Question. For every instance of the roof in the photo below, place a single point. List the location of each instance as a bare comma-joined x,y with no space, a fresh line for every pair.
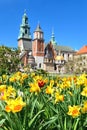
38,28
62,48
83,50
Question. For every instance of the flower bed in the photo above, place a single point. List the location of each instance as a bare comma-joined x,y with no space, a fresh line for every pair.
36,102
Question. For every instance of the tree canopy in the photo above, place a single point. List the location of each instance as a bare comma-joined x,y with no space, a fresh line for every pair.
9,59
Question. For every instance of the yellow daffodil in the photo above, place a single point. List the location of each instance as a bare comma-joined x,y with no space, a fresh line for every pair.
74,111
12,79
58,97
49,90
34,87
8,92
84,108
15,105
84,92
24,76
11,92
38,77
2,88
52,82
4,76
3,95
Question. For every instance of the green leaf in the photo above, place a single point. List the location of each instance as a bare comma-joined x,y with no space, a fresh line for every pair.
51,120
1,128
75,126
31,114
65,124
31,122
2,121
54,109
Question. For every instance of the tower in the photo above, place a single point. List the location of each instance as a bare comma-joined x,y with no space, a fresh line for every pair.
38,46
53,41
24,38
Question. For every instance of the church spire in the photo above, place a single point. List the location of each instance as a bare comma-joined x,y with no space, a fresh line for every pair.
24,28
53,38
38,33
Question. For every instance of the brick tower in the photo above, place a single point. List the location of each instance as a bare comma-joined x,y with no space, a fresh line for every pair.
38,46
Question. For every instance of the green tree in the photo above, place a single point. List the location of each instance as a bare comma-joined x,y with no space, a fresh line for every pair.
9,59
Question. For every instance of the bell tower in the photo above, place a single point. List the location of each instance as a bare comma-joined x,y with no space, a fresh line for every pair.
24,38
38,46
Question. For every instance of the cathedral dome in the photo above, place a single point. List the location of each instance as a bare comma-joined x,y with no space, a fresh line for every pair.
59,58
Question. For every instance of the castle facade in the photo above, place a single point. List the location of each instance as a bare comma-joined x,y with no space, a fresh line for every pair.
36,53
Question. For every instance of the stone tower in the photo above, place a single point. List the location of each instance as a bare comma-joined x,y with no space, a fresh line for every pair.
24,38
38,46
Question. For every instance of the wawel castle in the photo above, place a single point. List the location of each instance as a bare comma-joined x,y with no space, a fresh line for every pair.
48,56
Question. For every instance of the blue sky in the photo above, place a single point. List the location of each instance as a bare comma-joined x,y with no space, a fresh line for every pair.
68,19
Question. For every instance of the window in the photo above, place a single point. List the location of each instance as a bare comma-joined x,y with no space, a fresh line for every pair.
63,54
68,55
84,58
26,31
49,60
26,21
40,65
55,68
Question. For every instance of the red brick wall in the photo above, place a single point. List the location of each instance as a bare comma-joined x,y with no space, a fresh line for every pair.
38,48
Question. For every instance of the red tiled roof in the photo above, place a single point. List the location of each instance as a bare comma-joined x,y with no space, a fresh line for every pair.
83,50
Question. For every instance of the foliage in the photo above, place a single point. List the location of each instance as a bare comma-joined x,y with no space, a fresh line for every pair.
41,72
39,102
9,59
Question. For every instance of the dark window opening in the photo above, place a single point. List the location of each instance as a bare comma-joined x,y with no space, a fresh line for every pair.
68,55
26,21
25,31
55,68
63,54
40,65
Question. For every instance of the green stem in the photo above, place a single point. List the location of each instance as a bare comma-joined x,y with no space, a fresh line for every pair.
65,124
75,127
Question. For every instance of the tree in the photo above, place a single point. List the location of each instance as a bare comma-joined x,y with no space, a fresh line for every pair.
9,59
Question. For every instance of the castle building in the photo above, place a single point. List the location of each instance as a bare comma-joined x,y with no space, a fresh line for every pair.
80,58
37,53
